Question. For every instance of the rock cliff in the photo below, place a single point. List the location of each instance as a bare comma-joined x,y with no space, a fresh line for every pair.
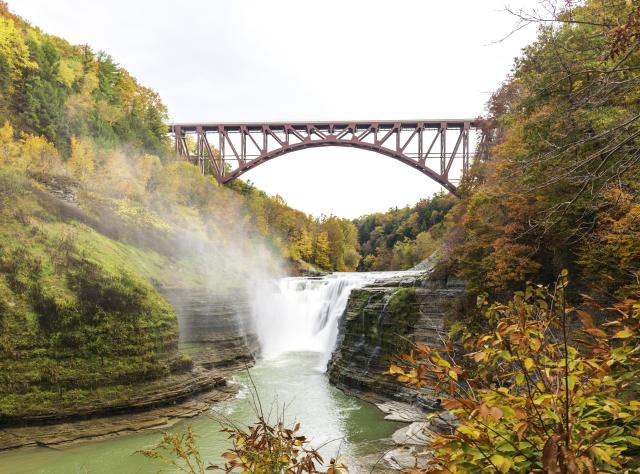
380,322
215,340
221,322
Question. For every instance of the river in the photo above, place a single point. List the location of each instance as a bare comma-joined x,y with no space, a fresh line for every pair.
296,320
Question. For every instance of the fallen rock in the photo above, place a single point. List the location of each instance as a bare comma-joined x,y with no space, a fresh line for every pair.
406,457
418,433
403,412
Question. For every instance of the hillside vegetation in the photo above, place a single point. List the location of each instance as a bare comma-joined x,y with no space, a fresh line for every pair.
545,379
401,238
97,219
556,185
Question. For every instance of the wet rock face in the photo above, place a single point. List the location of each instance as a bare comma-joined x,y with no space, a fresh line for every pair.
380,322
224,321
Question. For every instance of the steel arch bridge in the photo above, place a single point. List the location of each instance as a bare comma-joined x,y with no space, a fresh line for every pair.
228,150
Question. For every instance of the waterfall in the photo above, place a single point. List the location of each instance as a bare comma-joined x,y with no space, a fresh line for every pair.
302,314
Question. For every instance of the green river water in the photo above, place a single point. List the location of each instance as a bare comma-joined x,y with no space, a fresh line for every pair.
359,432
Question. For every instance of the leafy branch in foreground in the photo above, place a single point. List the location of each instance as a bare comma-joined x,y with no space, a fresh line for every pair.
262,448
266,448
179,451
529,398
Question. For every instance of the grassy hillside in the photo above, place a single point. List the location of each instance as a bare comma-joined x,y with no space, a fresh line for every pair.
73,325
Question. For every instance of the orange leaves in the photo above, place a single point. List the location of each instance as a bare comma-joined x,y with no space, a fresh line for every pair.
521,385
520,429
587,321
266,447
488,413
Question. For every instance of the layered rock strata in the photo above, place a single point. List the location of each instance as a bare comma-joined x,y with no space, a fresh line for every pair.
216,341
221,321
380,323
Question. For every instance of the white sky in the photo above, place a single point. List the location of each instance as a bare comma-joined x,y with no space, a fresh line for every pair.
240,60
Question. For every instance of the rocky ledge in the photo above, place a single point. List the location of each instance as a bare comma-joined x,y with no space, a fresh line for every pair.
95,429
380,323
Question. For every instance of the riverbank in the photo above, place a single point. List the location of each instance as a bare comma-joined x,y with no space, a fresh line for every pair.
353,429
220,337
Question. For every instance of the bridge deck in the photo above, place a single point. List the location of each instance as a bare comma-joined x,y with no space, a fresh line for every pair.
324,125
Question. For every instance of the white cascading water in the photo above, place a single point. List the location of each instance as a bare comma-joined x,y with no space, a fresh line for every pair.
302,314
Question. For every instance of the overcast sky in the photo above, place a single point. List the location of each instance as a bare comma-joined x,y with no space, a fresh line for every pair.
264,60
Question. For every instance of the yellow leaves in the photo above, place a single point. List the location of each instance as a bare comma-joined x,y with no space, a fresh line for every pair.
502,463
469,431
535,344
624,334
512,404
40,155
441,362
529,363
603,455
69,70
82,160
9,148
14,51
394,369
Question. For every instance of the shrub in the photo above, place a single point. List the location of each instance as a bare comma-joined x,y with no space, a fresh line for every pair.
533,397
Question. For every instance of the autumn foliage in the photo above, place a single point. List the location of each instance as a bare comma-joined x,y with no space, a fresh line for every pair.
265,447
543,389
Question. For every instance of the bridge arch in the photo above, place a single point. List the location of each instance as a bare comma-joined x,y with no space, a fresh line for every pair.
238,148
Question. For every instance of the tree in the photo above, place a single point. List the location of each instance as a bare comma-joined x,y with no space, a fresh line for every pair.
562,135
14,60
9,148
38,154
321,252
82,161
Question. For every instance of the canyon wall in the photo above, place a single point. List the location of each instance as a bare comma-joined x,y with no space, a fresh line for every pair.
380,322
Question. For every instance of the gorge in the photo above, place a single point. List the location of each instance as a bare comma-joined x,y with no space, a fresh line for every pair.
149,289
291,326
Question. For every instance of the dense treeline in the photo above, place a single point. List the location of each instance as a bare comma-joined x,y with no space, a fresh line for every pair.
70,111
401,238
549,380
329,243
52,89
557,185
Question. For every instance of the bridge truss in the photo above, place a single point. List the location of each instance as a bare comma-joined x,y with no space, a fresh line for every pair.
228,150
